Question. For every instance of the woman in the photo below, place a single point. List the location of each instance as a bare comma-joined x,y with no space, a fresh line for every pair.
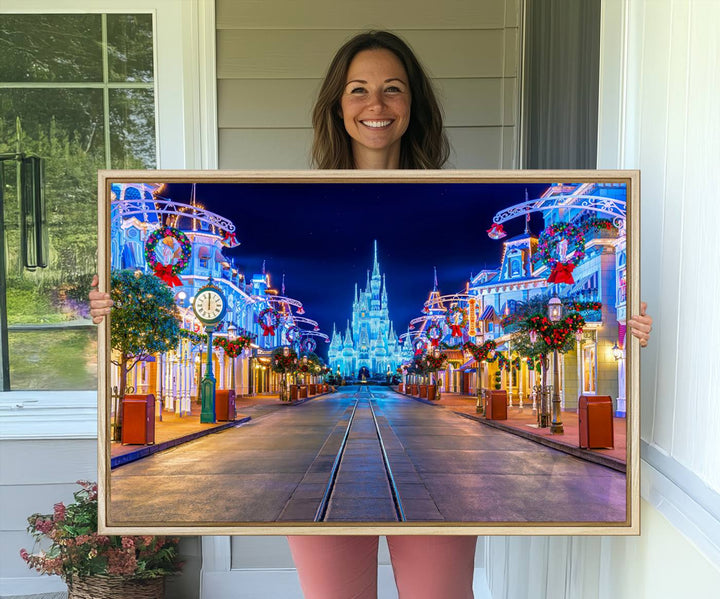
377,110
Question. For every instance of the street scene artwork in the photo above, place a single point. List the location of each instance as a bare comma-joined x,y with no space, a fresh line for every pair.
322,353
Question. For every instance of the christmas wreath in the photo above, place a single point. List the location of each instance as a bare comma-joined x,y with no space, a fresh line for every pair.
292,334
308,345
434,333
419,346
268,320
168,272
548,246
457,319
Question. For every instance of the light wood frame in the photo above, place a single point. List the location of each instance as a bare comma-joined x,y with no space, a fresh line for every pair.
632,524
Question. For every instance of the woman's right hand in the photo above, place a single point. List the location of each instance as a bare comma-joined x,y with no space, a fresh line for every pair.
100,303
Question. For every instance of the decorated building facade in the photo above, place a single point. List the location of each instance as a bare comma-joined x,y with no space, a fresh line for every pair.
580,256
148,234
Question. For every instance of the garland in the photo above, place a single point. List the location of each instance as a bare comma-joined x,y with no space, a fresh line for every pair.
433,364
235,347
434,333
268,320
584,306
456,324
195,338
282,363
556,334
482,353
168,272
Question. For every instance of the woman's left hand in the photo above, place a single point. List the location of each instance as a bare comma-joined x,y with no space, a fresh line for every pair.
641,325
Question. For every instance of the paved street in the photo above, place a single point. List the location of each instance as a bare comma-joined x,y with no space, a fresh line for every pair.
444,467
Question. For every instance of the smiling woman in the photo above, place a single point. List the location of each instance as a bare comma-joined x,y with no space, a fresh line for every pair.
364,105
375,108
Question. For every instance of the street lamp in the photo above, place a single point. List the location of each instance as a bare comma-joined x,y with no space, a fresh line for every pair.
232,330
617,352
555,315
436,355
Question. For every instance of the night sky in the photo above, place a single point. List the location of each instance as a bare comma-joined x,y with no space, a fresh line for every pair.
320,235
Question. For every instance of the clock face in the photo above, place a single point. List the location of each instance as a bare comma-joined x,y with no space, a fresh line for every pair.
209,305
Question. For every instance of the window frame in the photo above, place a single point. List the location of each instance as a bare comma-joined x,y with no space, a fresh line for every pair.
186,138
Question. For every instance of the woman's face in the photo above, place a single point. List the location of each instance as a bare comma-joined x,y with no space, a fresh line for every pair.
375,104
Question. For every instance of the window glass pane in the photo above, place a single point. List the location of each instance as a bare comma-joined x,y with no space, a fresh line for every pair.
50,48
132,128
55,359
130,47
52,342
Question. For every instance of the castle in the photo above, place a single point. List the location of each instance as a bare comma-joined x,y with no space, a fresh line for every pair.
370,341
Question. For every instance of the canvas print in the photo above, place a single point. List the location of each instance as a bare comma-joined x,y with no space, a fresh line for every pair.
322,353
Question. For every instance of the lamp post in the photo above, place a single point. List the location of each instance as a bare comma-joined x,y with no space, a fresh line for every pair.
436,355
232,330
283,380
555,315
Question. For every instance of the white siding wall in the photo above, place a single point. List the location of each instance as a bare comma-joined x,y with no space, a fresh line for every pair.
660,80
271,57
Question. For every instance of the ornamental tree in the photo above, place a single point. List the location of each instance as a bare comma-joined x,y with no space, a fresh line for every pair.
143,321
530,315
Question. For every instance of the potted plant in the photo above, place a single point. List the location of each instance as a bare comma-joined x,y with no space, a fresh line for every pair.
67,544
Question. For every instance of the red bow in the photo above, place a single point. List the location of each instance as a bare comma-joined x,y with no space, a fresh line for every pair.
164,273
268,329
562,273
456,330
435,342
496,231
229,239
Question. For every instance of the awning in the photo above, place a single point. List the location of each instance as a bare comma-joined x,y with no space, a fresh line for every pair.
589,283
488,314
204,252
471,364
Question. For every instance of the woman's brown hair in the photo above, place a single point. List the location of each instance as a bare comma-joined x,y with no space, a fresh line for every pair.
424,144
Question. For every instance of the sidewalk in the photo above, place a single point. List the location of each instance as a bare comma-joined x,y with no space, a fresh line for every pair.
523,422
175,430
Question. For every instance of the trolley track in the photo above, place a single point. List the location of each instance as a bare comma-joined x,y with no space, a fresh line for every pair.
357,429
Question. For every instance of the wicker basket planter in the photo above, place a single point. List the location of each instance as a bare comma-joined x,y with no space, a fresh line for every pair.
116,587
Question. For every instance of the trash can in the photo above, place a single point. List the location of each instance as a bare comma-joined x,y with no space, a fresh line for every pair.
138,426
225,405
595,422
496,404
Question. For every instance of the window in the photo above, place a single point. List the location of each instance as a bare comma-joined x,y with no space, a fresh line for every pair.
78,91
589,371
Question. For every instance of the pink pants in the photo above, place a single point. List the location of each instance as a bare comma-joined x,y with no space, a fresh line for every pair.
345,567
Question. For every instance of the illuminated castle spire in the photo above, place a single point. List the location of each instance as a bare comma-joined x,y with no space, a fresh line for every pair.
370,340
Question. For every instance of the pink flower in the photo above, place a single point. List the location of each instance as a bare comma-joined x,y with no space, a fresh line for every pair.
24,555
128,543
59,512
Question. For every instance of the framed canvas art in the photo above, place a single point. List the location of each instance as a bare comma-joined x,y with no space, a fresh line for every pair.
369,352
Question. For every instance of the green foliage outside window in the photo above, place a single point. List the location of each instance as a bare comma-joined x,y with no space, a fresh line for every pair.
62,118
